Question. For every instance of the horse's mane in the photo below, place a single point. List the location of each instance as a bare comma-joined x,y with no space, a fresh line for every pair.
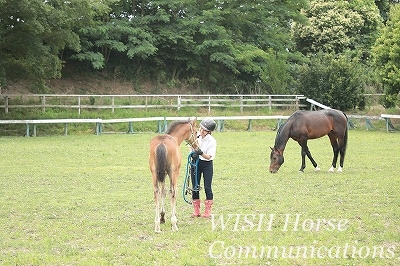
172,127
278,140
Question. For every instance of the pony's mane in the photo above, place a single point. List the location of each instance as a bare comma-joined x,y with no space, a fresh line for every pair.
172,127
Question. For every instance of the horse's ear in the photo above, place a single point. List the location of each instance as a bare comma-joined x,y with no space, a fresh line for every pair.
193,121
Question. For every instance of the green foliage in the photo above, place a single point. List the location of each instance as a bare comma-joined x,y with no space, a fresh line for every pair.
335,26
205,43
334,81
387,57
211,46
34,33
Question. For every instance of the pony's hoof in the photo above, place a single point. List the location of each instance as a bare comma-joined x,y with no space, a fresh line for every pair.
174,228
317,169
340,169
301,172
157,229
331,170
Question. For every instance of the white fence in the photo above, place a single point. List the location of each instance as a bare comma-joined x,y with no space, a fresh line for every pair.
162,122
80,102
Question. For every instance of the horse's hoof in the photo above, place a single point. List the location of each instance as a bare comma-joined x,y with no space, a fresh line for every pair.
157,229
174,228
317,169
331,170
339,170
301,172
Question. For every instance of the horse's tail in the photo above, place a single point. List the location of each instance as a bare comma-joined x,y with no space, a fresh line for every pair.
346,133
161,162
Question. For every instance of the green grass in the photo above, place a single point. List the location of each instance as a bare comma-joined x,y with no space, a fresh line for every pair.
88,200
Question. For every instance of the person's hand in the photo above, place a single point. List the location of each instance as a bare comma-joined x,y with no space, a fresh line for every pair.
198,152
194,156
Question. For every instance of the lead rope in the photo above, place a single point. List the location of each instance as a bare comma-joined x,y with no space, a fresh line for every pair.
191,166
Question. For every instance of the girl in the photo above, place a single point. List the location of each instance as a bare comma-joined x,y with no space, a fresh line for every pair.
206,154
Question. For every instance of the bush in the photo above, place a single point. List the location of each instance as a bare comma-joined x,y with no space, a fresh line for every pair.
333,81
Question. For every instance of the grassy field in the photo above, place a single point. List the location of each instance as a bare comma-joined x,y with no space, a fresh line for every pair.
88,200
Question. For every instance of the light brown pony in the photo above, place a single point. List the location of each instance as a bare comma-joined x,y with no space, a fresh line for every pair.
165,158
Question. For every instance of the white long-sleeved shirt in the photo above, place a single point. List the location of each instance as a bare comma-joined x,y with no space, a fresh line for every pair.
208,145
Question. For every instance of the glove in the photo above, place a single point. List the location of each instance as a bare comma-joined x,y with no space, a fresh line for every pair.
198,152
194,156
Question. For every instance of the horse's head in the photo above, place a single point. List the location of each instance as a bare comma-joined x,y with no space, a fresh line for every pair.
276,160
192,134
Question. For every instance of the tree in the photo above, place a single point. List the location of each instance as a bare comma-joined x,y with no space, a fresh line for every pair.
337,26
34,33
219,45
333,80
386,52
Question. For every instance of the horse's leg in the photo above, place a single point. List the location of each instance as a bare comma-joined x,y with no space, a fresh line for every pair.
157,198
163,194
305,151
342,150
173,189
303,145
335,147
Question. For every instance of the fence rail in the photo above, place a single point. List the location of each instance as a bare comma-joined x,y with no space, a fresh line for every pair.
162,122
81,102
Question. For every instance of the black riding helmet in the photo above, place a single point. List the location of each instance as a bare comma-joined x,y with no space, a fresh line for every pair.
208,124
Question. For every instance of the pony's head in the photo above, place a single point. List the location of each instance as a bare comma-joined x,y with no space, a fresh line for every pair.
276,160
192,139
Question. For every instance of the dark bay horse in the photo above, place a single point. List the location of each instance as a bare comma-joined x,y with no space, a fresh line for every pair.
304,125
165,158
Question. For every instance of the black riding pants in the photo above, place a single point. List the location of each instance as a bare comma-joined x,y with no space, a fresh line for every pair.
205,169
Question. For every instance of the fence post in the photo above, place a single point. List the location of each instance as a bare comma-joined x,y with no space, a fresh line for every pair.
99,128
130,129
179,102
43,103
209,103
241,104
112,103
249,127
159,127
165,124
6,104
27,130
270,102
79,104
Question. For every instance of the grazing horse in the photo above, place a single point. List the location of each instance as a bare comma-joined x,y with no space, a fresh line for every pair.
165,158
304,125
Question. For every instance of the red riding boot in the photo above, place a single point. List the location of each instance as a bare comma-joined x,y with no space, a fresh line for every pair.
207,212
196,208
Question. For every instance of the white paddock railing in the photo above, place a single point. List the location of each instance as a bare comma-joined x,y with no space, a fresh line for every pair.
80,102
162,122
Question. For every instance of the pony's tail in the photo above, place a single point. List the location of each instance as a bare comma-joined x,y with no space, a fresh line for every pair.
161,162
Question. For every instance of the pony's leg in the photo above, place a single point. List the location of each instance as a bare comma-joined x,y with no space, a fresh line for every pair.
157,198
163,194
335,147
173,189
